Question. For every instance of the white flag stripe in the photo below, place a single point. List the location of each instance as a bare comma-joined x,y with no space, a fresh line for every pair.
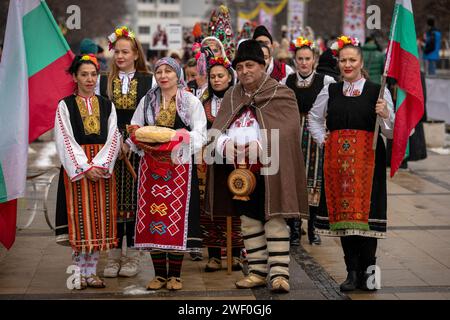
14,104
405,4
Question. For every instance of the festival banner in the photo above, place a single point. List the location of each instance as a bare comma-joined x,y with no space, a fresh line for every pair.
355,19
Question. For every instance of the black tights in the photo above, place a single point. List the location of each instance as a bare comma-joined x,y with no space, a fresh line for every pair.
125,228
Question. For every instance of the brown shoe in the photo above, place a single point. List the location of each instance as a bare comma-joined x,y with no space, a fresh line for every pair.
174,283
213,264
237,264
156,283
251,281
280,285
94,281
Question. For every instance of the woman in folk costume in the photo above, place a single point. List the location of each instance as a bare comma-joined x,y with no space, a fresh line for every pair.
353,206
126,83
88,142
220,79
168,218
259,102
221,38
307,84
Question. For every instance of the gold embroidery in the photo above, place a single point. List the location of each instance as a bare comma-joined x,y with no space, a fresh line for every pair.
91,122
125,101
166,117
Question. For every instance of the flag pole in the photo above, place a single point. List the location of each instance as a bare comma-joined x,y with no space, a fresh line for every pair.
383,81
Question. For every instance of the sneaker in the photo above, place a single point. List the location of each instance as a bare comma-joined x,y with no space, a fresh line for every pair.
111,269
113,264
130,264
130,268
213,264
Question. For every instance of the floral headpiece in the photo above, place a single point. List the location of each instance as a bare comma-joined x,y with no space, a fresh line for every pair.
220,27
341,42
90,57
219,61
120,32
302,42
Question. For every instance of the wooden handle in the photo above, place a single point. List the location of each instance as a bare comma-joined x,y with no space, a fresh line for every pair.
229,245
129,166
377,122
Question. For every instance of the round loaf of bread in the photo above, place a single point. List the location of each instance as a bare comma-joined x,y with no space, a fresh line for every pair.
154,134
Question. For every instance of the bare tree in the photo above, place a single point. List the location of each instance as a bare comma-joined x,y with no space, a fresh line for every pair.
98,18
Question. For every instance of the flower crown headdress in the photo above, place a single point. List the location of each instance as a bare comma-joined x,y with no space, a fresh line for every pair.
120,32
219,61
341,42
90,57
301,42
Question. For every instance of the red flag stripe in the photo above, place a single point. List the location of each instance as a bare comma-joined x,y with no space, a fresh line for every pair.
46,88
405,68
8,217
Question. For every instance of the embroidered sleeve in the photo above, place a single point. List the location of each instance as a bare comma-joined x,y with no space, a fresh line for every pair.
137,119
106,157
387,125
317,116
70,153
328,80
198,124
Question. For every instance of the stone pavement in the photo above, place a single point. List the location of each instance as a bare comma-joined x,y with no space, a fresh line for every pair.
414,260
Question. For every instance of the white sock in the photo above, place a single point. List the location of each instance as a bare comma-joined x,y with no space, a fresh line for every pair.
91,263
80,261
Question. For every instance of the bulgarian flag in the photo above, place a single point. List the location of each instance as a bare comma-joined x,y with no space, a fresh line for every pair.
33,79
402,64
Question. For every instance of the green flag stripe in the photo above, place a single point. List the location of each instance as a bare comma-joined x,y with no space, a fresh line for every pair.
405,31
44,42
401,96
3,194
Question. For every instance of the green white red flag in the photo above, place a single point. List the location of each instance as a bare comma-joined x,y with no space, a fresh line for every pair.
402,64
33,79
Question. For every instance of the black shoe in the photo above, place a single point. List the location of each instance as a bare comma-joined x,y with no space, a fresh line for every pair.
316,240
295,241
362,283
351,283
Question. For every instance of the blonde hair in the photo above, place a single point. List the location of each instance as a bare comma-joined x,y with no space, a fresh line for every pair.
139,64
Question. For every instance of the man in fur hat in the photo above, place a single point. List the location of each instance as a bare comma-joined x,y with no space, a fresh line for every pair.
276,69
261,113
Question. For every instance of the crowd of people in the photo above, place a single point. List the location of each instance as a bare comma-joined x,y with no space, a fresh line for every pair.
227,104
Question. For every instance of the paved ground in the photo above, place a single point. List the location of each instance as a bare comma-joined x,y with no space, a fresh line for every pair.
414,260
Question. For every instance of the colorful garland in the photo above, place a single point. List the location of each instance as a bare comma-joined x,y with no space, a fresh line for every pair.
92,58
219,61
342,41
301,42
119,33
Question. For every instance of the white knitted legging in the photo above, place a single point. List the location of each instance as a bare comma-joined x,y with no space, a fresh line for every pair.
267,246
